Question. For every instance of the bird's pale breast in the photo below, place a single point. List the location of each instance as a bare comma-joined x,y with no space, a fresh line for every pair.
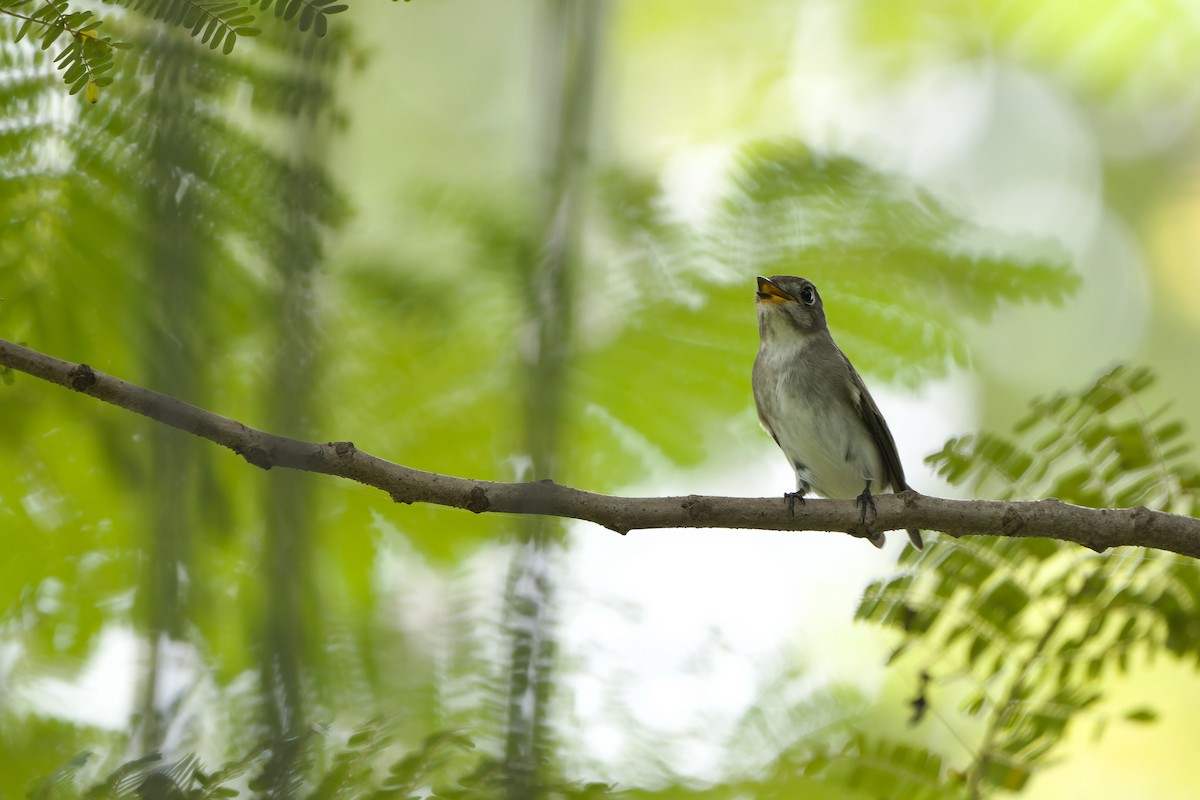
810,408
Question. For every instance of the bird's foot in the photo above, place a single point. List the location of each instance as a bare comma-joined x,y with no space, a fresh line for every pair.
864,501
793,498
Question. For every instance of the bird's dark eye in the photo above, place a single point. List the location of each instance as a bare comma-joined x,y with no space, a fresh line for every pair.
808,295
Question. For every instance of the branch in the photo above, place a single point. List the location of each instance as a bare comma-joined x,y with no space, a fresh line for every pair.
1097,528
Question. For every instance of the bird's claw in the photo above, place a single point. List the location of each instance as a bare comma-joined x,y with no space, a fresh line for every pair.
864,500
792,497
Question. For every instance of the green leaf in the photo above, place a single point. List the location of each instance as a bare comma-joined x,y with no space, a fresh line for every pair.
1143,714
51,35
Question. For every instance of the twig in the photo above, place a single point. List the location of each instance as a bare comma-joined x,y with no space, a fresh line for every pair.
1096,528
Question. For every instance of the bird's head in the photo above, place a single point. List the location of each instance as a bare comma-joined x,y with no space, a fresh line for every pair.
788,308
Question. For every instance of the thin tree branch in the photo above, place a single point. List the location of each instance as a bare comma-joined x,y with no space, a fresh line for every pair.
1097,528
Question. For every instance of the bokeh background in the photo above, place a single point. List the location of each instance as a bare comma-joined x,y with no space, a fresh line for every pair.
514,240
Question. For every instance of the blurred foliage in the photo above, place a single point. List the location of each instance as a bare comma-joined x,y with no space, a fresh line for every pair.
1114,51
890,256
43,754
417,353
675,308
368,763
1099,449
868,237
1019,634
76,185
1008,641
149,246
669,299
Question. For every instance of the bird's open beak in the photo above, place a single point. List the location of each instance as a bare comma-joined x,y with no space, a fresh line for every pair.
770,293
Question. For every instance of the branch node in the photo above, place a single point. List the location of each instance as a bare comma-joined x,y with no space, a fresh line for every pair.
81,377
861,530
695,505
343,449
1143,518
1012,522
257,456
617,528
477,500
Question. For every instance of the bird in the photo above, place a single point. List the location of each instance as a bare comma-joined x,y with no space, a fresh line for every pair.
815,405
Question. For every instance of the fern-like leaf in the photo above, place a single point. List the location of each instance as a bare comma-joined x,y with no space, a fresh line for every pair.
889,255
310,14
216,24
86,58
1036,623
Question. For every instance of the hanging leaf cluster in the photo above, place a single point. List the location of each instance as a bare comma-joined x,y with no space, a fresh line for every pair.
1019,634
310,14
217,25
236,17
87,57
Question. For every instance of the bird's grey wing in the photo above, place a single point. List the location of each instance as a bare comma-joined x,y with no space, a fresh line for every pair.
893,473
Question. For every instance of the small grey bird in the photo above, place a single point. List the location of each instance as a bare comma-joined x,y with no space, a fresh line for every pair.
816,406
